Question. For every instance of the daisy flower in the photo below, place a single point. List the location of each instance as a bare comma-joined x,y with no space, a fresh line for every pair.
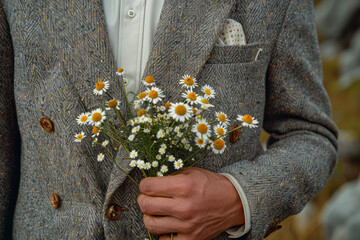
83,118
179,134
190,97
162,108
133,163
218,146
155,163
79,137
158,157
133,154
101,87
154,95
177,129
131,137
208,91
142,97
100,157
147,166
160,134
205,104
163,146
248,121
202,129
167,105
97,117
95,131
160,174
178,164
120,72
188,82
140,164
200,142
135,129
113,104
105,143
162,151
220,130
147,130
171,158
222,117
180,112
163,169
149,81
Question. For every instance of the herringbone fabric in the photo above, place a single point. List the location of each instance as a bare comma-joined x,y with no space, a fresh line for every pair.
61,48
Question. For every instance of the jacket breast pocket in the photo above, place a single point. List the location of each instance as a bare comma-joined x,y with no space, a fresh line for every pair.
248,53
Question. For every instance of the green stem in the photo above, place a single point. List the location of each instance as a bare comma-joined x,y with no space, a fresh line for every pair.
233,130
199,159
150,238
121,168
119,116
127,101
144,173
116,140
193,155
172,236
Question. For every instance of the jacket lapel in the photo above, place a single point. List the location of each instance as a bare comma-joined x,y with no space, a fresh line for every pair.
185,35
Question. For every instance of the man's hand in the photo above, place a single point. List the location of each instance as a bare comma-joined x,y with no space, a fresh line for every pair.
196,204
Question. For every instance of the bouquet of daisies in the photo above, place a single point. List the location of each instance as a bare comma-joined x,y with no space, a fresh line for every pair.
161,136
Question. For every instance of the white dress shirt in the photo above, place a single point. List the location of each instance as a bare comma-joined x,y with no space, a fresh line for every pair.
131,26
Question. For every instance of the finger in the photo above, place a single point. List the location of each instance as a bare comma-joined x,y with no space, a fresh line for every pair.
168,186
158,206
165,225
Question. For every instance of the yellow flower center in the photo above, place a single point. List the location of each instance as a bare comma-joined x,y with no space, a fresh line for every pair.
178,164
153,94
79,137
200,141
204,100
96,117
202,128
207,91
222,117
192,96
167,105
141,112
248,119
113,103
99,86
180,110
220,131
194,110
84,118
189,81
219,144
142,95
120,70
149,79
95,130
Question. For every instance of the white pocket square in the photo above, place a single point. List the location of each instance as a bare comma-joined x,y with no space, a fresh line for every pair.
232,34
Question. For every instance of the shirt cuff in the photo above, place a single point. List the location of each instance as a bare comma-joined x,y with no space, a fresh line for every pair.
237,232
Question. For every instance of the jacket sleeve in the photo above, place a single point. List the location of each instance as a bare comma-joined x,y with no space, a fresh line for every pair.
301,153
9,133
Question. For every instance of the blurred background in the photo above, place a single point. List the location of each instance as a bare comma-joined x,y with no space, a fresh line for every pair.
335,213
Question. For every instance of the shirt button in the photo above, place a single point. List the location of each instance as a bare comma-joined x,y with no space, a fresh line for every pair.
55,200
235,134
131,13
46,124
113,211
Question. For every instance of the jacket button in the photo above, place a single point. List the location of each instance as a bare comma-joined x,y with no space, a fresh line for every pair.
55,200
113,211
46,124
235,135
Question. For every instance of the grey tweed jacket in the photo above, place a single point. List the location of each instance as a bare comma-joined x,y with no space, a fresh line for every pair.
53,52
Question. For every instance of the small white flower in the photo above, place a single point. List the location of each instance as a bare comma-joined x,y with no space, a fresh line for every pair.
179,134
220,130
158,157
101,87
200,142
222,117
105,143
160,134
184,141
97,117
164,169
155,163
188,82
248,121
112,104
160,174
187,146
190,97
120,72
171,158
180,112
100,157
177,129
147,166
140,164
202,128
162,108
154,95
218,146
162,151
178,164
149,81
79,137
208,91
133,154
133,163
146,130
163,146
131,137
135,129
205,104
83,118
